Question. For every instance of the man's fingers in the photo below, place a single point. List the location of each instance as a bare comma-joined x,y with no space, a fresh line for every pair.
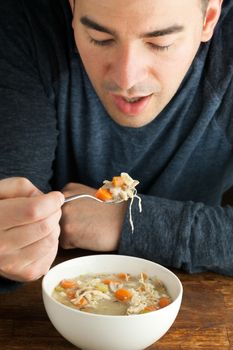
17,187
30,263
29,229
22,236
22,211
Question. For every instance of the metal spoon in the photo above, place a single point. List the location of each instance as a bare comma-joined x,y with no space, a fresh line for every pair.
78,196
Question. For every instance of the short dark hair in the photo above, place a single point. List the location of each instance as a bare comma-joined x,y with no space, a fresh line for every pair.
204,4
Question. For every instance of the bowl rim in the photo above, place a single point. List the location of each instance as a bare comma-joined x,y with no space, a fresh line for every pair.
44,290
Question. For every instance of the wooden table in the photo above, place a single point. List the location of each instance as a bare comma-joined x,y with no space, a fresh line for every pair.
205,320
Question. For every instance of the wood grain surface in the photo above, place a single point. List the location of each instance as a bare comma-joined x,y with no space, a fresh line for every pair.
205,320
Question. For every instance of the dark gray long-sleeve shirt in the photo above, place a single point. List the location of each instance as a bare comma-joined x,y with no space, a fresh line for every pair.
53,130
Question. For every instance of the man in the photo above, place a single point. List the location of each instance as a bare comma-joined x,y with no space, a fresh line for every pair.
93,88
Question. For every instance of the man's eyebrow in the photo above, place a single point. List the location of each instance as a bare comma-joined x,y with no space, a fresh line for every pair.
87,22
161,32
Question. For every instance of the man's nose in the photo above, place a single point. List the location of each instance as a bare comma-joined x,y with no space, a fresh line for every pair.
128,68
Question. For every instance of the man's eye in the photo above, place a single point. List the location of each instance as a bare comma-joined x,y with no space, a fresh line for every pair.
159,47
101,42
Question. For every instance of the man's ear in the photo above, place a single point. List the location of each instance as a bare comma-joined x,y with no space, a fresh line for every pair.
72,4
212,15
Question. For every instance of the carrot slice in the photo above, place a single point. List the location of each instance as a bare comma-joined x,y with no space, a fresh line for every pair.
82,302
108,281
123,295
117,181
150,308
103,194
122,275
71,294
164,302
67,284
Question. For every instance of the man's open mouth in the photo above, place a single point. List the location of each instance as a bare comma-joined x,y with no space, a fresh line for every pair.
132,106
133,99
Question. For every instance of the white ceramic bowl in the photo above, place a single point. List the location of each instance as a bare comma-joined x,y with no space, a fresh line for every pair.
104,332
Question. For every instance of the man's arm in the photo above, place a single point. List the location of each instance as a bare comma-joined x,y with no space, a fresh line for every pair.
88,224
186,235
28,134
28,138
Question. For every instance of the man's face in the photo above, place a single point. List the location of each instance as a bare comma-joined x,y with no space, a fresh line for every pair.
137,52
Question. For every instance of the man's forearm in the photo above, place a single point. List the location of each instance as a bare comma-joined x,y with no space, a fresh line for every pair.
184,235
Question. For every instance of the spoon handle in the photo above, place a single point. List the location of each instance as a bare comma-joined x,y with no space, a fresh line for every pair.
77,196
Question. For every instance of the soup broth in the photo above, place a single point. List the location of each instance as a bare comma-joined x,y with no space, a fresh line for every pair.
113,294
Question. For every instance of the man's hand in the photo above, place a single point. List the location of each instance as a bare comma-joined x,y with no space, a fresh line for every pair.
29,229
88,224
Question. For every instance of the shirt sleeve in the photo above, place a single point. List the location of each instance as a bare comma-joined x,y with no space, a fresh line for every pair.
27,115
28,132
8,285
184,235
